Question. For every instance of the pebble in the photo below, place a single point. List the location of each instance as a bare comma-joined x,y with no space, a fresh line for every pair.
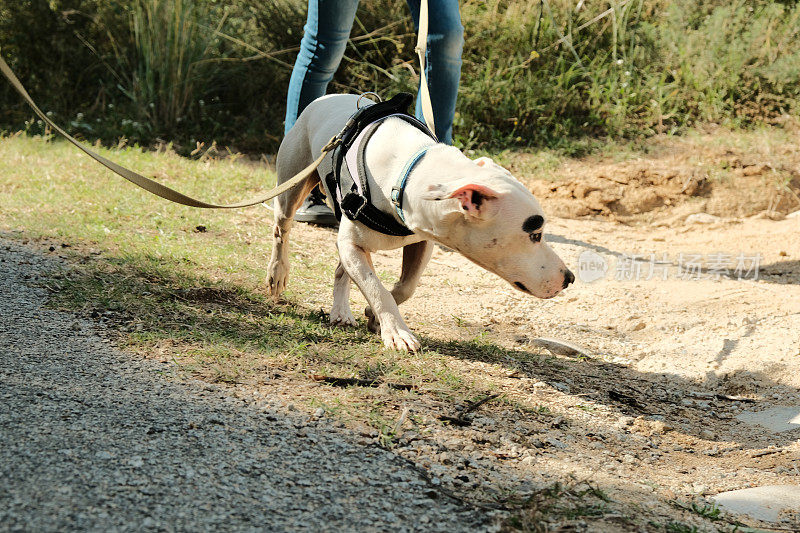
702,218
707,434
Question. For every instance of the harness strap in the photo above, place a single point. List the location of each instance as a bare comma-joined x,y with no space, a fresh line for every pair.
399,189
349,183
356,203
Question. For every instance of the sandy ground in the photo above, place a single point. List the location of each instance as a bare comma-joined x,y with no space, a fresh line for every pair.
667,347
742,335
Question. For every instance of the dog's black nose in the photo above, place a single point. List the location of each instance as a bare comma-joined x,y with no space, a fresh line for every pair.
569,277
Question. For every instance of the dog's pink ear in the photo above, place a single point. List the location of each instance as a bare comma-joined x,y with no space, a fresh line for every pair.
474,198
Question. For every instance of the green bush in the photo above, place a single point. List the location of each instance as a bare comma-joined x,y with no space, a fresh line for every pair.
150,69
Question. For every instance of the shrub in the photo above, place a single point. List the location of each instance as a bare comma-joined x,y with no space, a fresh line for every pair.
650,66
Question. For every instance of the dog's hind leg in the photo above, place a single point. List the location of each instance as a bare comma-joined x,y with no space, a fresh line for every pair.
285,207
415,259
341,315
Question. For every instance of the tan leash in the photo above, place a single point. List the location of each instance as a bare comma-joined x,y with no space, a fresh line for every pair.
179,198
422,49
153,186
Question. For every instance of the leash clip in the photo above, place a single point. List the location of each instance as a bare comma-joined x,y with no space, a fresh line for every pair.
335,141
396,192
364,95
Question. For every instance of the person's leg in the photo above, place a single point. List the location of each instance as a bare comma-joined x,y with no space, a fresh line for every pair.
324,41
443,62
325,36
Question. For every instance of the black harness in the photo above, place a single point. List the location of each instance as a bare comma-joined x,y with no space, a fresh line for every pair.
352,198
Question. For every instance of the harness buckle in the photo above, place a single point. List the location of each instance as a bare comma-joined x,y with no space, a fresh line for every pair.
396,192
353,205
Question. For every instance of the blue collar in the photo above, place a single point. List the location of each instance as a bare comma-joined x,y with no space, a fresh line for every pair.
397,190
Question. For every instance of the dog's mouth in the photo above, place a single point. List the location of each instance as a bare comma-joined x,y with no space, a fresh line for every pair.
521,286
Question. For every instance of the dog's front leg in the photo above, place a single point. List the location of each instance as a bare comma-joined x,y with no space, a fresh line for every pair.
415,259
394,331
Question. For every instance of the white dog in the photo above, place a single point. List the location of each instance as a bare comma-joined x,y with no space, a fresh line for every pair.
475,207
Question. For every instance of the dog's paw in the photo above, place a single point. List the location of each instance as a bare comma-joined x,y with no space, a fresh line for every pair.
373,324
277,278
342,317
400,339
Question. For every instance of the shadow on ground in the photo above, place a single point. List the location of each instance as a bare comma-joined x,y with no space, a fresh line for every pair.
144,298
235,335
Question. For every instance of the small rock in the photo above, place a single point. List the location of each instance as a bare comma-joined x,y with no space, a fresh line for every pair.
775,419
625,421
639,326
707,434
319,413
762,503
702,218
660,427
558,347
563,387
485,421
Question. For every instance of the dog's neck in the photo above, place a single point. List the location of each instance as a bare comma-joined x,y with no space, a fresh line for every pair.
424,216
391,148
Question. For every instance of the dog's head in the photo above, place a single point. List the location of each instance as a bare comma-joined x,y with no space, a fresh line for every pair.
495,221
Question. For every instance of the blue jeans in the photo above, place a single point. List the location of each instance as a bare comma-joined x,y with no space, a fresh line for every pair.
327,30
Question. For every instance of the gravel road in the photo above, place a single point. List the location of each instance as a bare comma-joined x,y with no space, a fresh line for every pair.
93,439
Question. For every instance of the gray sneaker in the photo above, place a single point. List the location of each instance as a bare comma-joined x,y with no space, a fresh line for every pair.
315,211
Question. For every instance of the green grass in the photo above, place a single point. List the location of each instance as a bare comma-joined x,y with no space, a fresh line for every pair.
573,501
197,297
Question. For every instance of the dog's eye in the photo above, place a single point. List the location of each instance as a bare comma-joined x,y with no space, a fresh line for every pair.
536,237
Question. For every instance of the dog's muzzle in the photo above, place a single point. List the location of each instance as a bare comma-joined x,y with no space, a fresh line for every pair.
569,278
